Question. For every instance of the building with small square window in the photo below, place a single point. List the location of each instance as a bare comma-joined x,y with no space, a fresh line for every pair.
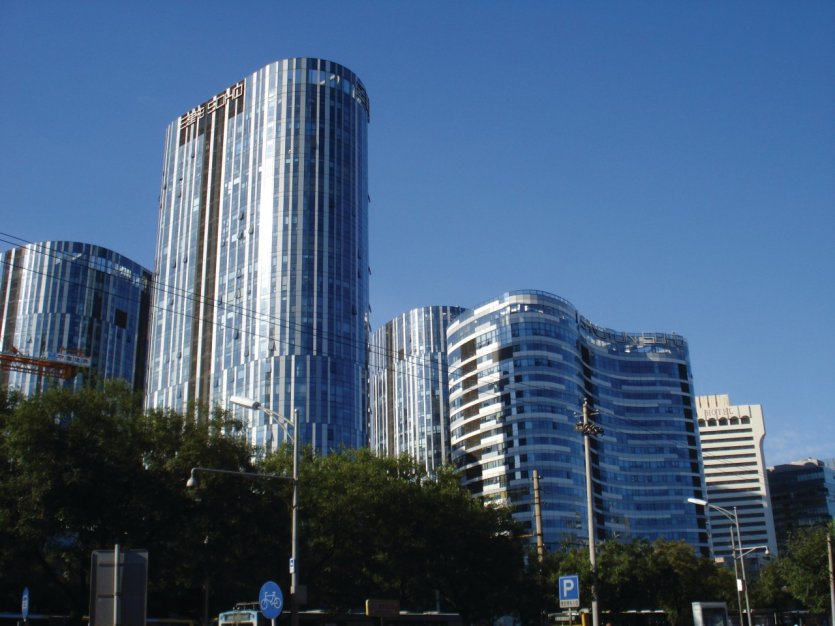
70,313
732,439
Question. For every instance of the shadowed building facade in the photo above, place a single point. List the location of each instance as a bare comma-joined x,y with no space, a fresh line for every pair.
262,252
66,304
520,367
802,496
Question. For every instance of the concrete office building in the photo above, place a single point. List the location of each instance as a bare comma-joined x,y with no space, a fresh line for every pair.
262,253
409,394
73,309
802,494
520,368
735,472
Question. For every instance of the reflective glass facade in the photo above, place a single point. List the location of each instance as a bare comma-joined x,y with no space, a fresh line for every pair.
408,386
262,251
69,302
803,495
519,369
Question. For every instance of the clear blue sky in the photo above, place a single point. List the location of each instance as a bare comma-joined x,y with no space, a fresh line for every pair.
664,166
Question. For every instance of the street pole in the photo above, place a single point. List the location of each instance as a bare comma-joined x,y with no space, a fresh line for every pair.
283,422
589,428
736,574
831,573
294,530
734,517
742,566
537,515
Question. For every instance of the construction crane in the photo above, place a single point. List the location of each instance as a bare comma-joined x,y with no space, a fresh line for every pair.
54,364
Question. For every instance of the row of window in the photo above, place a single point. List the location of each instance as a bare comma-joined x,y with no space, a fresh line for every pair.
724,421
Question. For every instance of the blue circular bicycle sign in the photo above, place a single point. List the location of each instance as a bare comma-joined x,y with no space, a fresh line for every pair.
271,599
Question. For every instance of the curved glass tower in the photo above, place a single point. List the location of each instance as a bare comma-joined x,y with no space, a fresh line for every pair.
409,389
262,251
70,304
521,366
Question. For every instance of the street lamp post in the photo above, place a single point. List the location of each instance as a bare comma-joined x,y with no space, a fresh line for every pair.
732,516
285,424
191,483
589,428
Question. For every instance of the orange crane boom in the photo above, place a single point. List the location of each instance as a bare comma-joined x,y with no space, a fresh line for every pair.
14,361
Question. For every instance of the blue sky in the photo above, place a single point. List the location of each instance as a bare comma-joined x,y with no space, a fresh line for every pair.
664,166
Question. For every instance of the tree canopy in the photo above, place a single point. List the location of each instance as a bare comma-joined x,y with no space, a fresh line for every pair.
799,577
86,470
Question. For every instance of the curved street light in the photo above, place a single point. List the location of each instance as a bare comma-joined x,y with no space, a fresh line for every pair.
732,516
285,424
191,483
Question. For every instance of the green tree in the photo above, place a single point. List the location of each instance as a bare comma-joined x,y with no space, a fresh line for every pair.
89,469
770,589
680,578
624,576
376,527
640,575
68,485
804,568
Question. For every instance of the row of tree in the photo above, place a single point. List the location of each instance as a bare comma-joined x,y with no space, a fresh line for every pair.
87,470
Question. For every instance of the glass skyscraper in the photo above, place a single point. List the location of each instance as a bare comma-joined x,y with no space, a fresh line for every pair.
262,252
520,368
70,304
408,386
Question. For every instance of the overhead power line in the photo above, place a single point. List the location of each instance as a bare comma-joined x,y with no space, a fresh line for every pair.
425,361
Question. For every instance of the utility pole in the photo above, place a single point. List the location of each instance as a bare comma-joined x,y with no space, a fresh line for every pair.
537,515
589,428
829,530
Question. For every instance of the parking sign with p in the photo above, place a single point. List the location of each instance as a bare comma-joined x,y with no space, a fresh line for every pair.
569,591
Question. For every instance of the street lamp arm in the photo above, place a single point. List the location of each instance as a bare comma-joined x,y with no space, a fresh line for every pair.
192,481
253,405
746,551
280,420
727,513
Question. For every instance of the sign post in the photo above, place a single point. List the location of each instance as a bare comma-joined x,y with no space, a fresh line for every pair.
118,587
568,589
271,600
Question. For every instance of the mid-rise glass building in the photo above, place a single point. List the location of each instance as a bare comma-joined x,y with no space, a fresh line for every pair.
520,368
409,387
802,495
74,308
262,252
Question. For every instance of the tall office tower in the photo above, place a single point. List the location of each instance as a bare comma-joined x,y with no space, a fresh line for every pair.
71,312
409,390
802,495
262,252
521,367
735,474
